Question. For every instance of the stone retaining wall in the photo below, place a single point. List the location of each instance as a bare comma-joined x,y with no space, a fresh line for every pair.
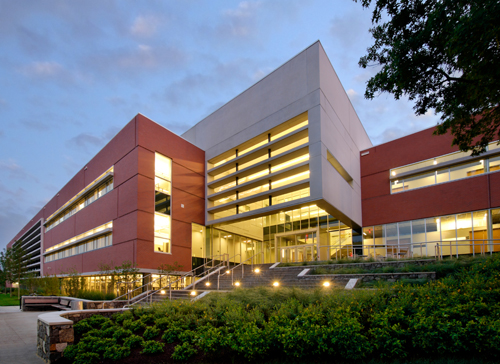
369,265
55,331
367,277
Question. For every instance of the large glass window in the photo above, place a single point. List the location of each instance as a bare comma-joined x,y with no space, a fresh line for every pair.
162,219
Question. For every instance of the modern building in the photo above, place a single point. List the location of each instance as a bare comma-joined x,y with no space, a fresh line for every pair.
283,172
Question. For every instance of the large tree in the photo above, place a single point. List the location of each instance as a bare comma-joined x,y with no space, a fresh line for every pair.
444,55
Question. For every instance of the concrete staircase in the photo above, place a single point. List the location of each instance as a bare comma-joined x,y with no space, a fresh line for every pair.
244,277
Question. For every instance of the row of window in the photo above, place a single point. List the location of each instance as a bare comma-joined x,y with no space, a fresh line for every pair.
87,246
271,154
438,160
273,134
264,187
446,174
96,230
265,171
275,200
93,195
459,228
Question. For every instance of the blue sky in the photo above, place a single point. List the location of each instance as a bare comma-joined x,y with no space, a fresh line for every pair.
73,73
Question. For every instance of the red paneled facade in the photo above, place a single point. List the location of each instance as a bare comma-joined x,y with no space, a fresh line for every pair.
379,206
130,205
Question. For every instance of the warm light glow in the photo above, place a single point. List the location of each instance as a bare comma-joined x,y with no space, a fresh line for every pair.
207,284
162,291
435,162
228,271
393,173
257,270
237,284
276,284
326,284
193,293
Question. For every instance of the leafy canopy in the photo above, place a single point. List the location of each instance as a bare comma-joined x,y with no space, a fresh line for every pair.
444,55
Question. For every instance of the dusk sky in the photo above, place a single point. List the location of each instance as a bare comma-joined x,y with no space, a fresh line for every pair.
73,73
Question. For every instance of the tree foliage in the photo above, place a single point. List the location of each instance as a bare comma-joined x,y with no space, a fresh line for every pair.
444,55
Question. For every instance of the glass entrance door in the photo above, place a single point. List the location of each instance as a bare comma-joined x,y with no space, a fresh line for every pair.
301,246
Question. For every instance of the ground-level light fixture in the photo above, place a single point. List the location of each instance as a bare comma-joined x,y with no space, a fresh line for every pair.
237,284
162,291
193,293
257,270
326,284
276,284
207,284
228,271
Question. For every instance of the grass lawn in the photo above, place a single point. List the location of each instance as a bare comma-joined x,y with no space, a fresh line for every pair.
5,300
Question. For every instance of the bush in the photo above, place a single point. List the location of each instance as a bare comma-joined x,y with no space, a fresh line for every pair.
95,295
152,347
116,352
151,333
184,351
133,341
121,334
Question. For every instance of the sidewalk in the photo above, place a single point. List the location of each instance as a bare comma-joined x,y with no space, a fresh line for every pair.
18,334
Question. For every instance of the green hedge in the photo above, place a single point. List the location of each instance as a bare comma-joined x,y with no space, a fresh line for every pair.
456,317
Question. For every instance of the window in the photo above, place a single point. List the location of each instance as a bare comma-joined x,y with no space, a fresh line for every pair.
163,191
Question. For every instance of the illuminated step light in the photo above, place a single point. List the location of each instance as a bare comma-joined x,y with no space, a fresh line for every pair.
193,293
228,271
276,284
207,284
257,270
237,284
326,284
162,291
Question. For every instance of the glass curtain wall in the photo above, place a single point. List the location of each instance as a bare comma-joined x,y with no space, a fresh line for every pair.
453,235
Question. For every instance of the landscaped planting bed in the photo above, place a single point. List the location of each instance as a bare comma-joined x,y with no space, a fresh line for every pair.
449,320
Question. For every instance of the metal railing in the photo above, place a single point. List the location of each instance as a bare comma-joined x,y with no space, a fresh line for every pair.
242,264
147,290
151,292
128,284
436,248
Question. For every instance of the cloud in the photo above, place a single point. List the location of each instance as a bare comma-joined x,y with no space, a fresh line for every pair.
86,140
240,22
136,60
42,69
145,26
13,169
224,77
261,73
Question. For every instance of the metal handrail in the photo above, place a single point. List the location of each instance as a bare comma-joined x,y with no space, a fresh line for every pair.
128,284
230,271
151,293
150,284
439,248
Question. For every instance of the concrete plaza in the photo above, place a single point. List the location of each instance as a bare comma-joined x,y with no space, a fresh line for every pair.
18,334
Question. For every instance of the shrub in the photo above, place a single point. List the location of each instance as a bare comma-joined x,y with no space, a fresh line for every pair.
87,358
184,351
137,325
116,352
152,347
82,327
151,333
121,334
133,341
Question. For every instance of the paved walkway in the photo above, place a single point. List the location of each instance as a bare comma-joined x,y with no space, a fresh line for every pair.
18,336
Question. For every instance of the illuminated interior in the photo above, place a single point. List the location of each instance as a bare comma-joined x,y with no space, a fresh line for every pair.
163,193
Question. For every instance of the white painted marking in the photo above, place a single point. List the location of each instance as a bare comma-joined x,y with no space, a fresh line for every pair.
274,265
352,282
304,272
